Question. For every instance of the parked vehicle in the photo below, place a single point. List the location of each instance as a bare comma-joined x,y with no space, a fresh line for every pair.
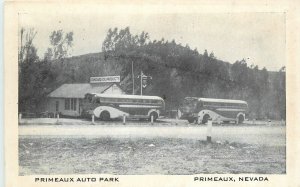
107,107
219,110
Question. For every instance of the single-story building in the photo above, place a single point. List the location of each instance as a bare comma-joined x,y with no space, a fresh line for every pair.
67,99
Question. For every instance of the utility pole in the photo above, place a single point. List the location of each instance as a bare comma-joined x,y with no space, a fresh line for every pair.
132,77
142,83
142,76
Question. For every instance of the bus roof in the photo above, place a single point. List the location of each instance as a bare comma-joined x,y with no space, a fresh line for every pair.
127,96
222,100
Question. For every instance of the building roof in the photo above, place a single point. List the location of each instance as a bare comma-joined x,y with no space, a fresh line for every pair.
79,90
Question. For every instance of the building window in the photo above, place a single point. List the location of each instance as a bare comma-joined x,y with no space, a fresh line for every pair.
70,104
73,104
67,104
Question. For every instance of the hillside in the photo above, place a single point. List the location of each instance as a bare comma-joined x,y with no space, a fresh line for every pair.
177,72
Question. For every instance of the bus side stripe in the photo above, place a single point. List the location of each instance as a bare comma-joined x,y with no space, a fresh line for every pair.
138,106
229,109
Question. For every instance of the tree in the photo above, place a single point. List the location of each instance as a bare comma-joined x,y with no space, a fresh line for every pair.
212,55
280,92
27,51
34,81
61,44
205,54
240,72
122,40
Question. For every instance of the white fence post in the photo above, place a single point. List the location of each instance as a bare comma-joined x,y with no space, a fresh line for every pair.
124,119
151,119
176,118
219,120
93,119
269,122
209,130
57,117
20,117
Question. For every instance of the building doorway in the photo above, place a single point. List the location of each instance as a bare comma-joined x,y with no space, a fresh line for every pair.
57,106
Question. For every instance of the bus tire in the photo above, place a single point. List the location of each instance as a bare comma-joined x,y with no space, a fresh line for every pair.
155,116
105,116
191,120
240,119
205,118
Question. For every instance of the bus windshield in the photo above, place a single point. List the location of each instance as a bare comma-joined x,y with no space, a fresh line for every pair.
190,102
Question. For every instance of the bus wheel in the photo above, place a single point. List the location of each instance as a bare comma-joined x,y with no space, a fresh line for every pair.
105,116
205,118
191,120
240,119
155,116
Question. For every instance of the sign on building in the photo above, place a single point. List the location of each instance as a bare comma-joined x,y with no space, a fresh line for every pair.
105,79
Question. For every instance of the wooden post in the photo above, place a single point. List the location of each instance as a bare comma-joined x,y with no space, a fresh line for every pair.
209,131
151,119
124,119
20,117
93,119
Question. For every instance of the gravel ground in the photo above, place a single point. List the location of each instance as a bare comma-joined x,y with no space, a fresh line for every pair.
63,155
167,147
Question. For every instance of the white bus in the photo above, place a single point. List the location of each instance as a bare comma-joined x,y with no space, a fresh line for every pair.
106,107
219,110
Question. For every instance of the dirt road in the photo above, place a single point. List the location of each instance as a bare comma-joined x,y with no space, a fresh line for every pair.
260,134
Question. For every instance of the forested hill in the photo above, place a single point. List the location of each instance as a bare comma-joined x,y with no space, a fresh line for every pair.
177,72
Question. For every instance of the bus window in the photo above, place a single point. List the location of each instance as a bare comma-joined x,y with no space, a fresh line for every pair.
109,100
89,99
190,102
199,105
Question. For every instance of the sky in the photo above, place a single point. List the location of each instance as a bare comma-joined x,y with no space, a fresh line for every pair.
257,37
